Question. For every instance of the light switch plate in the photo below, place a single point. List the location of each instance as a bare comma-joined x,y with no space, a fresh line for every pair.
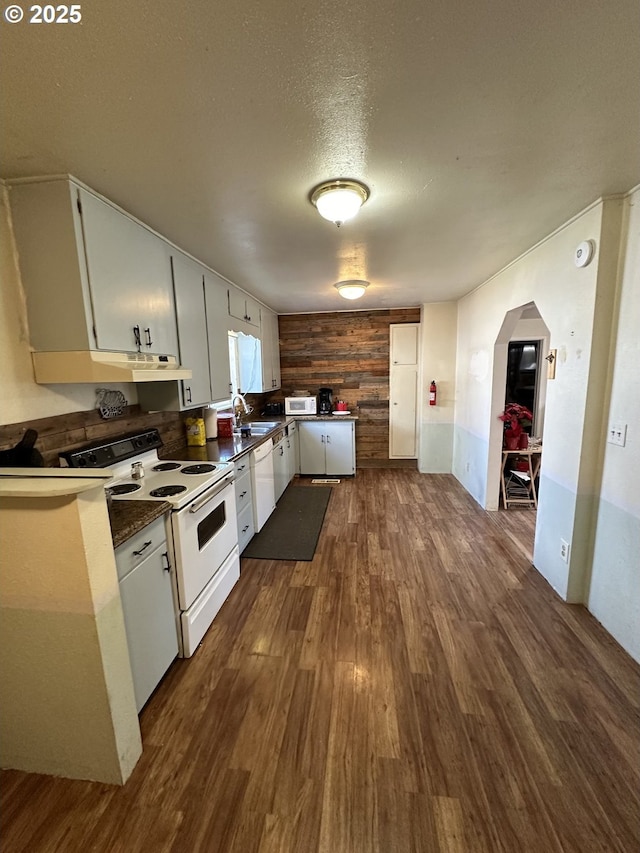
617,434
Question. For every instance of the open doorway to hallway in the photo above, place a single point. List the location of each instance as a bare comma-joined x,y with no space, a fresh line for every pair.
523,371
518,377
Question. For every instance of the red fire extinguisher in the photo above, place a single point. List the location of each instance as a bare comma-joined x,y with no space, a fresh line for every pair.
432,393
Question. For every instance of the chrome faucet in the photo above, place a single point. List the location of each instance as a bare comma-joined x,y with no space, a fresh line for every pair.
245,406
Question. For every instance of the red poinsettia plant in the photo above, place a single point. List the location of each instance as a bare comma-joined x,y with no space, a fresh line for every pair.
515,417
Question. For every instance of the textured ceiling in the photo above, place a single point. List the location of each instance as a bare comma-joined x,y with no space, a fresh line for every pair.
479,128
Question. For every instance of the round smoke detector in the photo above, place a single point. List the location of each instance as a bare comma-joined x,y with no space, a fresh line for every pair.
584,253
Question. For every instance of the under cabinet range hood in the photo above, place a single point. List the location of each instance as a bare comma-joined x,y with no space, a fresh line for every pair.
53,368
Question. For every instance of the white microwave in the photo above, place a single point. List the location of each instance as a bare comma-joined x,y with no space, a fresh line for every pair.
300,405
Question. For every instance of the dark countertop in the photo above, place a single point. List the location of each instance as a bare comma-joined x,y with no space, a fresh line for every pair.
128,517
229,449
215,450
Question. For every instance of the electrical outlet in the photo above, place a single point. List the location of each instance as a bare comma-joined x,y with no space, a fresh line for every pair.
564,550
617,434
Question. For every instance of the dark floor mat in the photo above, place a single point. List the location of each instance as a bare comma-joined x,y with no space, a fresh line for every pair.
292,530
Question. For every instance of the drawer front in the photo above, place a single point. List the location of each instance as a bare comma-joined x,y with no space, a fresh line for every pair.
196,620
245,527
243,492
140,546
242,466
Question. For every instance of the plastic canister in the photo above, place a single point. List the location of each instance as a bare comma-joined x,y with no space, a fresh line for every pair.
196,436
225,424
211,423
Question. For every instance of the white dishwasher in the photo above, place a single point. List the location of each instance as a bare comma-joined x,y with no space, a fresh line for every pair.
262,480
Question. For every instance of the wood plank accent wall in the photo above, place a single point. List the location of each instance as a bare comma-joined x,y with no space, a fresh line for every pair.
64,432
349,352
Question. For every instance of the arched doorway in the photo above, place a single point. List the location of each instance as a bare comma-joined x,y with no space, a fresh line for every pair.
524,323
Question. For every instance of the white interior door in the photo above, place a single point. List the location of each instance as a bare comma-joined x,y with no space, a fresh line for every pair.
403,391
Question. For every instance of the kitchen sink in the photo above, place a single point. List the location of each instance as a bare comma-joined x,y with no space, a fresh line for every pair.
263,427
259,427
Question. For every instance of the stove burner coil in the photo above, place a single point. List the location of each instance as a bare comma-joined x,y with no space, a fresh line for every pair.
123,488
166,466
198,469
167,491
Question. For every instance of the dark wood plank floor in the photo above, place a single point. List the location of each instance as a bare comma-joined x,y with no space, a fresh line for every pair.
417,688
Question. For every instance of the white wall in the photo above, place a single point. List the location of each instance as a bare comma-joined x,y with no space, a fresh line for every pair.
20,398
438,357
614,593
578,307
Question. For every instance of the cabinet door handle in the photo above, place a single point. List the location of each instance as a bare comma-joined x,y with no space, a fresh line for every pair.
144,548
165,556
136,337
242,494
148,336
328,439
187,391
245,528
322,439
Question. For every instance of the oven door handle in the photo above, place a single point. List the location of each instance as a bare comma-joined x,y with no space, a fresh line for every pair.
209,496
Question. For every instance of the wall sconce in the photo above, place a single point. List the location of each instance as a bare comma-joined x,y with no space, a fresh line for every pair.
353,289
339,200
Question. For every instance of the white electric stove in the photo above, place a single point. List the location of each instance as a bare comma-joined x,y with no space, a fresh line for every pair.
201,527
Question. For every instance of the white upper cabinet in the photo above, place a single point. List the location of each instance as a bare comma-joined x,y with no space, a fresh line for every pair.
94,278
188,284
130,281
244,309
215,290
270,350
201,305
404,344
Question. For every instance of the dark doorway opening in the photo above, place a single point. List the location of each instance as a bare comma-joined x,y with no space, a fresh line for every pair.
523,364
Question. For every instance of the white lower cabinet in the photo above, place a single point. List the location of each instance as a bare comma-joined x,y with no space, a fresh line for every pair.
144,574
326,447
292,451
244,502
280,467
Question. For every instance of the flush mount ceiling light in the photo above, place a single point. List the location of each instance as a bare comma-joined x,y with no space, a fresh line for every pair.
352,289
339,200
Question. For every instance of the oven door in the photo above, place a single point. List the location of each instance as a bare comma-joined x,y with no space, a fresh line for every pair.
204,533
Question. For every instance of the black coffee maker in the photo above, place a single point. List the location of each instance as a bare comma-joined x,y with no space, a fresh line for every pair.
325,401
